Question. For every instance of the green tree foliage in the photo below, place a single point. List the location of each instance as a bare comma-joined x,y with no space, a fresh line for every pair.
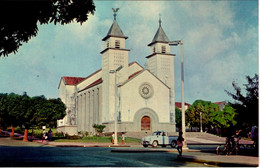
99,128
53,109
193,113
246,102
211,115
20,19
225,118
17,110
178,117
3,110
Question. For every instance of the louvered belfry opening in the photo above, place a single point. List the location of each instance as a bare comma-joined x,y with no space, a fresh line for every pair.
145,123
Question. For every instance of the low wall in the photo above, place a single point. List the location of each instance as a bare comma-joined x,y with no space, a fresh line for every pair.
71,130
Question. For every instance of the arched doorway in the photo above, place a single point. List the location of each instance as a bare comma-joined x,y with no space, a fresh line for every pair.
145,123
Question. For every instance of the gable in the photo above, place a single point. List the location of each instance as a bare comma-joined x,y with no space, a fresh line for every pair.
143,74
67,80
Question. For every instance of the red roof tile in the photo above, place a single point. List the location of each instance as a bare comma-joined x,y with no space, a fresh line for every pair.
72,80
218,103
134,74
178,104
92,84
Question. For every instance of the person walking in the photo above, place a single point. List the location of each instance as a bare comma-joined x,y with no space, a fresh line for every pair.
123,138
44,135
113,137
50,134
180,143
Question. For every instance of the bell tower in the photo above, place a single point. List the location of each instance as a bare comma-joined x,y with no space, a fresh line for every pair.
161,64
114,55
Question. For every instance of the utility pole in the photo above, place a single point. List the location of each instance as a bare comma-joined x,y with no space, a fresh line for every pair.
115,72
175,43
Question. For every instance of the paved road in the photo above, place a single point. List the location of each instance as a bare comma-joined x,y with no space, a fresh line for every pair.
19,153
45,156
90,157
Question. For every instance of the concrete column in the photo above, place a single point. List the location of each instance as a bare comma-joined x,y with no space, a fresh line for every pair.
96,111
91,111
84,112
87,112
100,105
79,113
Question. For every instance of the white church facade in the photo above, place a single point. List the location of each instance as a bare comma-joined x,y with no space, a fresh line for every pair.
141,99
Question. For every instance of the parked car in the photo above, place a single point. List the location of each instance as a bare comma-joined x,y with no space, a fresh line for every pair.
159,138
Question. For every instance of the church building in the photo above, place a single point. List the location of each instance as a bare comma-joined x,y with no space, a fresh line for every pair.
140,99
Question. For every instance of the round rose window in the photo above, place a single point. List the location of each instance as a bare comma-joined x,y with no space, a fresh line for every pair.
146,90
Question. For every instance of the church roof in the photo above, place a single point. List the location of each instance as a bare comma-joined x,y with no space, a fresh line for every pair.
92,84
178,104
131,77
115,31
134,74
72,80
160,36
219,103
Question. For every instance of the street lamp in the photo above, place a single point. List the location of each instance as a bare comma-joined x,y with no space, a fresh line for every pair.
200,123
176,43
115,72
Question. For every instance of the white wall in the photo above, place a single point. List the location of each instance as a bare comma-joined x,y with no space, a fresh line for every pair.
65,94
132,101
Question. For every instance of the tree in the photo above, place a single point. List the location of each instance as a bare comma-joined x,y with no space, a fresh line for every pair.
36,109
246,104
211,115
3,110
99,128
178,117
14,112
27,112
54,109
19,19
192,115
225,118
204,108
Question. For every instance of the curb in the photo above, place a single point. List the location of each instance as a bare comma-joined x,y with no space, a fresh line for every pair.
151,150
216,163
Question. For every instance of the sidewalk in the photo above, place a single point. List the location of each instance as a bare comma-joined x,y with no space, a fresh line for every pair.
222,160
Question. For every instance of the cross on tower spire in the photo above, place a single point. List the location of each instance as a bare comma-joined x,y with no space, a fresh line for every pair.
160,21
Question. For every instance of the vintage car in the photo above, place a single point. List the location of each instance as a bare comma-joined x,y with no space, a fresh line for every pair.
159,138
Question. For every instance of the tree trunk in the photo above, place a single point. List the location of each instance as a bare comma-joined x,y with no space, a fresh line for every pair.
12,134
25,138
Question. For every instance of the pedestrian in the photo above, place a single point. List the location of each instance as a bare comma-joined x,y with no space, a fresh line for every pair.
113,137
123,138
180,140
254,136
50,134
43,135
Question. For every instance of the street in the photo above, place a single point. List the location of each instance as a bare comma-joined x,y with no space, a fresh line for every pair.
89,157
17,153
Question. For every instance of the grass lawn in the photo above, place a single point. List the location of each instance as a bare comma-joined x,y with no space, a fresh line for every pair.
94,139
90,139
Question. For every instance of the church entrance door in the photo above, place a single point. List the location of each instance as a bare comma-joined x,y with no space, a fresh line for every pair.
145,123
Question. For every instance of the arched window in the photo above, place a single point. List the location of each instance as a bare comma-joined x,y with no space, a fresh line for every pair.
117,44
163,49
145,123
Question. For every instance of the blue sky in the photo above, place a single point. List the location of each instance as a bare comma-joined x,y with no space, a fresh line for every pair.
220,46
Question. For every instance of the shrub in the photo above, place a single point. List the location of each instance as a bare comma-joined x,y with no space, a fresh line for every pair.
99,128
